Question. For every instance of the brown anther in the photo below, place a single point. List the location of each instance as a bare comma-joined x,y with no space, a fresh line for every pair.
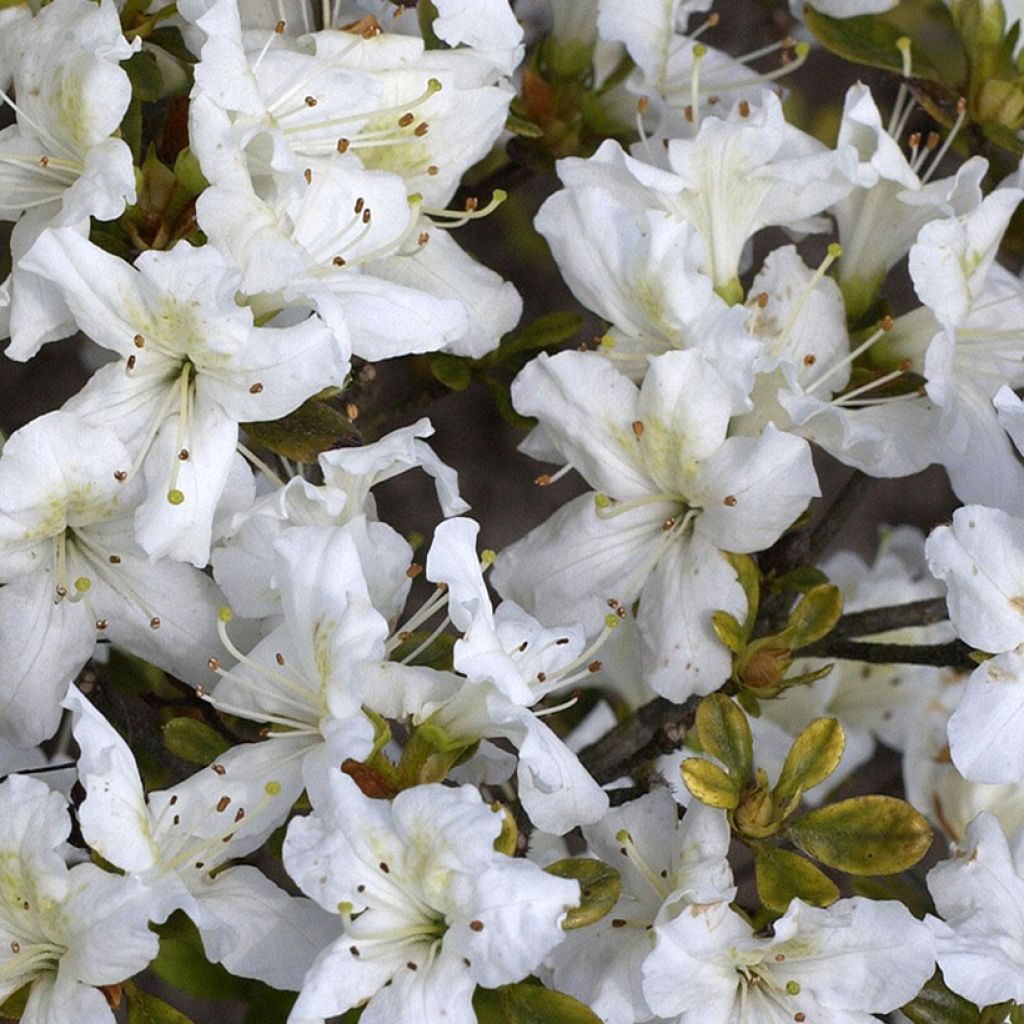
352,410
466,961
961,106
561,641
279,658
471,204
15,948
785,57
360,203
669,523
762,300
101,624
688,113
200,689
139,341
421,129
405,636
914,139
809,359
279,27
621,611
367,26
544,480
366,216
886,323
542,677
642,104
183,455
120,475
239,814
744,108
130,365
638,428
227,839
222,804
618,922
154,623
44,161
114,559
477,926
200,865
423,238
799,1017
594,666
354,950
310,101
612,603
712,20
903,365
173,800
779,957
218,769
343,145
384,868
264,732
176,819
713,101
308,175
255,389
522,647
932,141
212,664
411,966
61,590
414,570
405,120
432,170
730,500
338,261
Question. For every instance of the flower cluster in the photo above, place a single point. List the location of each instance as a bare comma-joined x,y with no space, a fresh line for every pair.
502,783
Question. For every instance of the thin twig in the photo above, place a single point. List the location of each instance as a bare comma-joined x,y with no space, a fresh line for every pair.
952,655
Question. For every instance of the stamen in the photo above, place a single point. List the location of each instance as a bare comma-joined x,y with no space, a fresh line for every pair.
629,850
903,44
961,116
885,325
834,252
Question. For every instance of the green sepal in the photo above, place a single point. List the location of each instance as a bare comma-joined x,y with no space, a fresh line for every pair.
430,754
528,1003
508,837
782,875
193,741
600,887
865,835
709,784
811,759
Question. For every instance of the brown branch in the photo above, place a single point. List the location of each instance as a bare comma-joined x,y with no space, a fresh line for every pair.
952,655
899,616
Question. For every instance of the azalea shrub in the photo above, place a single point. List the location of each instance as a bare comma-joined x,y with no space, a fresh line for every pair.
264,751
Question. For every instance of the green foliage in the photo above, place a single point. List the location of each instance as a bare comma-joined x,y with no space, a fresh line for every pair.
811,759
144,1008
782,875
526,1003
723,731
315,427
865,835
936,1004
193,741
600,887
710,785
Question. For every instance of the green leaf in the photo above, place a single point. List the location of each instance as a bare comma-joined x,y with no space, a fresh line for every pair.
302,435
452,372
526,1003
814,615
188,172
169,38
544,332
709,784
782,875
724,732
728,631
600,886
438,655
182,964
799,580
749,578
936,1004
14,1006
865,835
193,741
144,1008
811,759
871,39
143,73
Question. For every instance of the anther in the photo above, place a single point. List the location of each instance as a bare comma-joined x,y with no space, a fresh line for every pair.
405,120
101,624
308,175
432,170
730,500
414,570
130,365
360,203
354,950
279,658
669,523
183,455
421,129
618,922
932,141
61,590
352,410
544,480
366,216
423,238
114,559
239,814
914,140
310,101
139,341
744,108
411,966
638,427
477,926
642,104
279,27
219,769
338,261
255,389
762,300
621,611
222,804
120,475
343,145
886,323
809,360
383,866
594,666
15,948
471,204
542,677
154,623
212,664
44,161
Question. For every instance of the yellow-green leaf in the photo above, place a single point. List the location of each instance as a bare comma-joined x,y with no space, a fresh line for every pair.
452,372
814,615
728,631
865,835
599,888
526,1003
193,741
811,759
709,784
144,1008
782,875
302,435
749,578
724,732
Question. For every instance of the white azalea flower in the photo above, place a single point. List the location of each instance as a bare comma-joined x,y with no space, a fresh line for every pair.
979,893
64,931
178,844
835,964
665,865
980,557
60,163
74,572
674,492
429,909
194,366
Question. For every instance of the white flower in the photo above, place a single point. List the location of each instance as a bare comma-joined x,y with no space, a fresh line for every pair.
64,931
429,908
674,492
192,367
835,964
178,844
980,895
74,573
